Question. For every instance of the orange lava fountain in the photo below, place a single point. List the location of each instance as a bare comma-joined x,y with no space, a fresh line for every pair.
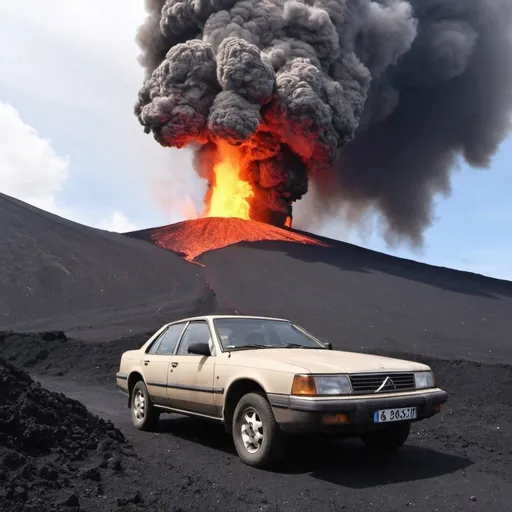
230,194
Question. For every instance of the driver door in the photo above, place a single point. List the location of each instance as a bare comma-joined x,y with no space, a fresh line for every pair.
191,377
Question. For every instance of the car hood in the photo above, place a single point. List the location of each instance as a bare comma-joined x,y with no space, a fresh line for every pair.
333,361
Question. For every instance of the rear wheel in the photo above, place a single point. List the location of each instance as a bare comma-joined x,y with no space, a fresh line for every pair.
258,439
144,414
387,439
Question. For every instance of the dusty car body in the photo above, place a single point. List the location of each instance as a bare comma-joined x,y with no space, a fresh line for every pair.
267,378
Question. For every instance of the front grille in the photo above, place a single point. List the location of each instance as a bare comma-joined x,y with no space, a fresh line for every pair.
370,382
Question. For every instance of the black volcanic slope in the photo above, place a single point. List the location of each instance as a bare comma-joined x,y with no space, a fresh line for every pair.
56,274
356,298
59,274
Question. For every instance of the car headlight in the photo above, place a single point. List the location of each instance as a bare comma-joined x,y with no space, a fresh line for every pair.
321,385
424,380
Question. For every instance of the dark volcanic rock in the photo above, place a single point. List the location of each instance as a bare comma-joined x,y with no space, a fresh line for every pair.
91,474
53,336
70,501
45,437
135,498
37,421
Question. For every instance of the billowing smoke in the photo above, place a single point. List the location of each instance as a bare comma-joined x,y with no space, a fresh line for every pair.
371,102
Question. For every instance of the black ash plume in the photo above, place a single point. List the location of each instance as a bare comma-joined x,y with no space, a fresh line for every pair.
370,101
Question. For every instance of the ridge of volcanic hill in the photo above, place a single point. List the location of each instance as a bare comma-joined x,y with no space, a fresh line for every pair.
193,238
58,274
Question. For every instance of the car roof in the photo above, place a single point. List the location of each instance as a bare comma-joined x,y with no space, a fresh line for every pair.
213,317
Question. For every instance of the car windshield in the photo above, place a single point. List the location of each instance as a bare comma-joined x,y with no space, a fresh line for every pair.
249,333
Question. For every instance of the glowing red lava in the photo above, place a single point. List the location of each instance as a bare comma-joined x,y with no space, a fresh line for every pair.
192,238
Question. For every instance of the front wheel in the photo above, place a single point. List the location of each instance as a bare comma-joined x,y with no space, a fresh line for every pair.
387,439
144,414
258,438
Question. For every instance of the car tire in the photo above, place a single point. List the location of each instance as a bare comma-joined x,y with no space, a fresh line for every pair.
144,414
258,439
387,439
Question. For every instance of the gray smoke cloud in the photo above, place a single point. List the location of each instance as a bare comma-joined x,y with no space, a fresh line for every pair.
371,102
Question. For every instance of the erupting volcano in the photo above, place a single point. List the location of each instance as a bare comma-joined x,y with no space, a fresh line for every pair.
368,102
233,194
192,238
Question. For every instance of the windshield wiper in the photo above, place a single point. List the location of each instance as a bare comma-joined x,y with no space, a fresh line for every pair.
254,345
242,347
295,345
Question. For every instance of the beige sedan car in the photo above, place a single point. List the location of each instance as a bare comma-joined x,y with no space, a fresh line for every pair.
267,378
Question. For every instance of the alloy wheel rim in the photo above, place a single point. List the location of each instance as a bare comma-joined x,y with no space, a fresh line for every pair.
139,405
251,430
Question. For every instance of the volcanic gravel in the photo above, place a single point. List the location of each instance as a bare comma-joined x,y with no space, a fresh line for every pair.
61,327
51,447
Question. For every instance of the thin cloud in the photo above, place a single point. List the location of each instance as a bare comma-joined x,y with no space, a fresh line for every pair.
32,171
30,168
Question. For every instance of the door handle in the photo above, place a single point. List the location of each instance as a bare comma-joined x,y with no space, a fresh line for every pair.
146,362
174,365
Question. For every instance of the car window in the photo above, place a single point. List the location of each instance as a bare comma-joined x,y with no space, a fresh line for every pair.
257,336
288,333
167,342
156,343
225,335
235,333
196,332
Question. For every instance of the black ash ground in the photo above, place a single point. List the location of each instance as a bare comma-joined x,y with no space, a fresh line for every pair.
53,451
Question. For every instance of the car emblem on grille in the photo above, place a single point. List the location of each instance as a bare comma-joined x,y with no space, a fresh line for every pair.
387,381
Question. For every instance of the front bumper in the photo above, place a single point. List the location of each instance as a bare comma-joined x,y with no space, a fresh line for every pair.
301,414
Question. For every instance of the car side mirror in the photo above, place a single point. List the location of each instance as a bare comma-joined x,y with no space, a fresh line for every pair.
328,346
199,348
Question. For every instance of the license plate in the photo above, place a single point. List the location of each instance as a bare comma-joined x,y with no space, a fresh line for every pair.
387,415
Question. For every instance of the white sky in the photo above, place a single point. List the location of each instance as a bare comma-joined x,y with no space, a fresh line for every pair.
76,62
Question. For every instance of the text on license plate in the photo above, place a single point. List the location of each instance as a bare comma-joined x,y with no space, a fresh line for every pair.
386,415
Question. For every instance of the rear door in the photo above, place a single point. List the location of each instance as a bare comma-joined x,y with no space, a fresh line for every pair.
157,360
191,377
